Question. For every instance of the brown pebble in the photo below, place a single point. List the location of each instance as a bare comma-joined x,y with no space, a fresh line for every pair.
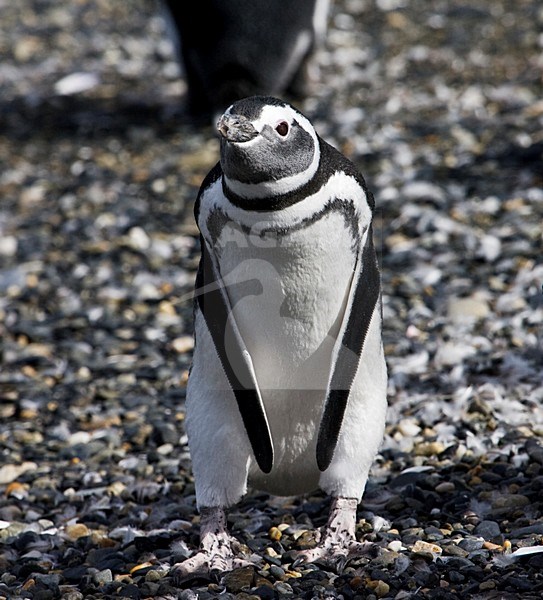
356,582
76,531
487,585
275,534
445,487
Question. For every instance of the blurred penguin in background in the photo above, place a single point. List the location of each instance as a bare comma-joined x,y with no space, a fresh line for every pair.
231,49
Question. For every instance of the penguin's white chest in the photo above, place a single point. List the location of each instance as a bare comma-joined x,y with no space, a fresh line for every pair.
288,289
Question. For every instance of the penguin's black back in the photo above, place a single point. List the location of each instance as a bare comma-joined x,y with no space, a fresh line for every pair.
237,48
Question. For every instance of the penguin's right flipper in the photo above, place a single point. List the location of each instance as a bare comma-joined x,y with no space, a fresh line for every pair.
363,298
236,361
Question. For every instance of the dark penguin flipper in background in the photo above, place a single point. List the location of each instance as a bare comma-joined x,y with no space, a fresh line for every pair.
363,297
215,306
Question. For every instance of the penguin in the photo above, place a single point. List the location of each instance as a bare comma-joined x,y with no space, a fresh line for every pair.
236,48
287,388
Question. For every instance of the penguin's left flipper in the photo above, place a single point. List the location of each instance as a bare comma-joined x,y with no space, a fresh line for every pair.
362,300
236,361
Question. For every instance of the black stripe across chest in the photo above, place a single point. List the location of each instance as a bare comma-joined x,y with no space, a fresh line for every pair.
218,220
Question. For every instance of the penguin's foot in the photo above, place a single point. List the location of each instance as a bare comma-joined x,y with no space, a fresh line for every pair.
218,552
336,543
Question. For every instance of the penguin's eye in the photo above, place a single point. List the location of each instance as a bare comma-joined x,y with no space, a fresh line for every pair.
282,128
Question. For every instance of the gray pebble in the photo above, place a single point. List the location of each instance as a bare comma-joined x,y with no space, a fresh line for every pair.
470,544
103,577
277,571
487,529
535,529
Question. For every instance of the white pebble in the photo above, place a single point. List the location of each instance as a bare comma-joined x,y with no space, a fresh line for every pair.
9,473
76,83
461,310
79,437
395,546
490,247
8,245
139,239
409,427
451,353
421,190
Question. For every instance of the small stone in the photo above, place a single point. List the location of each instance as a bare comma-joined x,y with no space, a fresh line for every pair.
103,577
216,588
277,571
453,353
535,451
275,534
429,448
116,488
395,546
150,589
8,245
139,239
455,550
183,344
492,547
10,472
44,595
33,195
490,247
409,427
426,549
461,310
305,540
470,544
487,585
167,308
387,559
357,582
76,531
379,587
79,437
74,574
68,593
283,588
76,83
293,574
422,190
264,591
445,487
238,579
142,566
536,528
17,490
165,449
507,502
487,529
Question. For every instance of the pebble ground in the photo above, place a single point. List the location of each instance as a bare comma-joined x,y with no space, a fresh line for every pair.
440,105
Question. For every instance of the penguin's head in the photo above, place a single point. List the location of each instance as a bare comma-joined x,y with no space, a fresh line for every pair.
267,147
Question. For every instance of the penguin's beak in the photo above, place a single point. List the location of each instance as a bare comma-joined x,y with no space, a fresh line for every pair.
236,128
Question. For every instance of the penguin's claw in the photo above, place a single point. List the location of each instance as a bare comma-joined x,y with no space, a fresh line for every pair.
209,563
218,552
333,553
336,543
